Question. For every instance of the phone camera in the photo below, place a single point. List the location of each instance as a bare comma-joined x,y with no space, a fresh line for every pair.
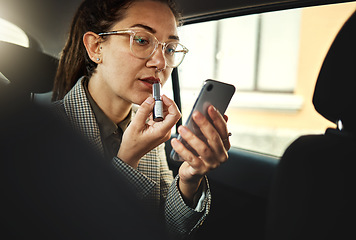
210,87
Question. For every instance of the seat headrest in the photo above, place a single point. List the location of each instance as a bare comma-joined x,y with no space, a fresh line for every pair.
335,90
27,69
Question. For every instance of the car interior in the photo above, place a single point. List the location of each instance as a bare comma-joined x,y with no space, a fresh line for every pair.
303,193
305,202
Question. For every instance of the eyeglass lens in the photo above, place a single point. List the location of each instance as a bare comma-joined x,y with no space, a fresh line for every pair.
143,45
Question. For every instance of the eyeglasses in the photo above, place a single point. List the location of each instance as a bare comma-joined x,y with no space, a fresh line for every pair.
144,44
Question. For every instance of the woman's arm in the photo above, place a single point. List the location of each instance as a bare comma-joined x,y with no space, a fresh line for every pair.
211,153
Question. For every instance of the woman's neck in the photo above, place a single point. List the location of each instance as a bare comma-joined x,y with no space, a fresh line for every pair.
112,105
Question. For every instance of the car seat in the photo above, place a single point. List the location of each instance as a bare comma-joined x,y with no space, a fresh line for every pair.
27,69
312,196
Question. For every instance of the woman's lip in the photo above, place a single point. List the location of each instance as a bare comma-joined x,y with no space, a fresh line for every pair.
147,84
151,80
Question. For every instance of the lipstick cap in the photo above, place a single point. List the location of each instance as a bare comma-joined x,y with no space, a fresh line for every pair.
156,91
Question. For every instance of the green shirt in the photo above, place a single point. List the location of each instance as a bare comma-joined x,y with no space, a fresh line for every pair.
111,134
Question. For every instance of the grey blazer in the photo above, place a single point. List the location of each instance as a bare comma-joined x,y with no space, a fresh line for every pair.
152,180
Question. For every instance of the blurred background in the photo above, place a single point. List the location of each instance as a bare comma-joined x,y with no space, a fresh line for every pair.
273,59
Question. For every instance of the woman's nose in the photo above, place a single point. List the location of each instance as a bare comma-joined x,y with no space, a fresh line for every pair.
157,60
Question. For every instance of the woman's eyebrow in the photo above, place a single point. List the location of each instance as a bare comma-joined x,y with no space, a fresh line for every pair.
151,30
148,28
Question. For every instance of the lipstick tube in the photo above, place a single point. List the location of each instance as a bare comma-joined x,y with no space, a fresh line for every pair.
158,108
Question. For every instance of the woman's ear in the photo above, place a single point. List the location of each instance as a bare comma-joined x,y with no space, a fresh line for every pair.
92,43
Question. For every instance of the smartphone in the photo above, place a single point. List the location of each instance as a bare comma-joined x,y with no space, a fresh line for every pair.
214,93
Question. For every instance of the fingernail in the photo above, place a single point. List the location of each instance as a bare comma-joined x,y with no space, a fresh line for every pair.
149,100
197,116
214,108
174,142
182,130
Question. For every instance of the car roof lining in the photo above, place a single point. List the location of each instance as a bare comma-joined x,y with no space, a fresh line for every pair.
198,12
48,21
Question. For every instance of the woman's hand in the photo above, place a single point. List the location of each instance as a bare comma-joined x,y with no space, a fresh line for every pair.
142,136
211,153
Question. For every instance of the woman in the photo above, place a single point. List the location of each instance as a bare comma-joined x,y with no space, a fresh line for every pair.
117,50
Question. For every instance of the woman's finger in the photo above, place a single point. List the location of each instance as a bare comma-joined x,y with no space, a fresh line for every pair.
142,114
198,146
171,111
186,154
213,137
220,125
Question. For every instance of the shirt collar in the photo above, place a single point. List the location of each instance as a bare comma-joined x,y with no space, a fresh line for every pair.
106,125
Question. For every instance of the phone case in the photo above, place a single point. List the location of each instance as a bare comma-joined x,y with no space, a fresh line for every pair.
214,93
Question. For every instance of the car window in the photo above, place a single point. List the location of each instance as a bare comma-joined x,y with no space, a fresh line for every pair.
273,59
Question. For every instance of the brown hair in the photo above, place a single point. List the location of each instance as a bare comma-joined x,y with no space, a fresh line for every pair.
96,16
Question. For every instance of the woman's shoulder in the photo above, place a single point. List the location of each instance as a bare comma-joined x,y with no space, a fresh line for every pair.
57,108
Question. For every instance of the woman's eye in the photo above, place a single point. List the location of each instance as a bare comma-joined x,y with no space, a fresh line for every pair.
170,51
141,40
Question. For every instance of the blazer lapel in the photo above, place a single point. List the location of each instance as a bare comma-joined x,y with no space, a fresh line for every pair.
149,165
78,109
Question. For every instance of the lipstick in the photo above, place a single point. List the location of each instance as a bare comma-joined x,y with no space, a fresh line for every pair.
158,108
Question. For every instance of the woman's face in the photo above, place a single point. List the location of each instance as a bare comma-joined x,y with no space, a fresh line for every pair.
122,75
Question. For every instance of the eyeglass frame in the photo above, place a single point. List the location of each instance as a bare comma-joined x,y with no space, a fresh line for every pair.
132,32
